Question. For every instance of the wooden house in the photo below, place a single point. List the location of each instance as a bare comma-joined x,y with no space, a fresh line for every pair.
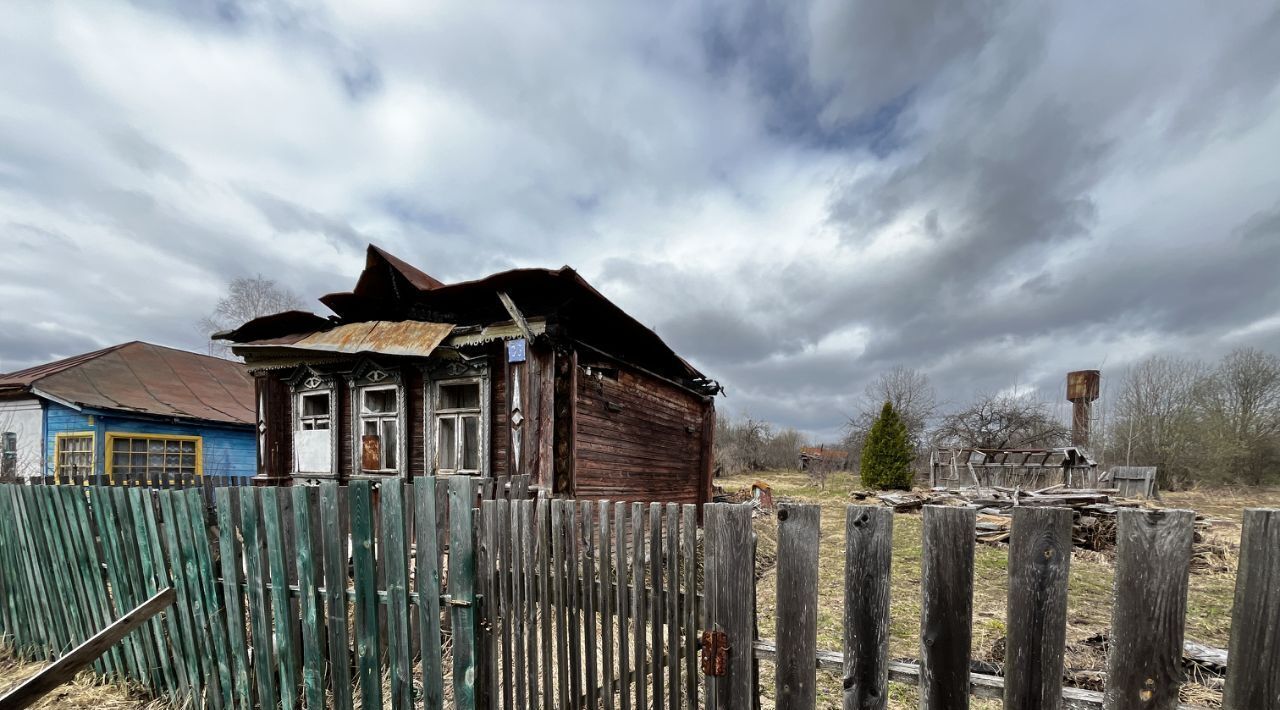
530,371
133,411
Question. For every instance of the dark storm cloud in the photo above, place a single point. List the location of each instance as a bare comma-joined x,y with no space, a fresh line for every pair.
795,195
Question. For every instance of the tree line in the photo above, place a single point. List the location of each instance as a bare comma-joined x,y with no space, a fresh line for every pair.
1198,422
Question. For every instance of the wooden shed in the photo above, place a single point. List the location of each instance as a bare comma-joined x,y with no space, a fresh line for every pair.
530,371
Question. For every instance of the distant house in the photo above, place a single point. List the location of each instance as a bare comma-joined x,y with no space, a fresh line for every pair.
530,371
134,410
814,458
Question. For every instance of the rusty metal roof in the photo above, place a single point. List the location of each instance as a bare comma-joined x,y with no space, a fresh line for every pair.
412,338
147,379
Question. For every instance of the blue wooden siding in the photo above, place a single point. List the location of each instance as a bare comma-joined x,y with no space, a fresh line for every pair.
228,451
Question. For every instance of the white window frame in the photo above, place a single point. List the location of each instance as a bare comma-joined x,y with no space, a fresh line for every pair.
398,417
435,414
299,421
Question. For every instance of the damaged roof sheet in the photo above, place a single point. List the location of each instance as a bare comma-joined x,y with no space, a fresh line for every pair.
412,338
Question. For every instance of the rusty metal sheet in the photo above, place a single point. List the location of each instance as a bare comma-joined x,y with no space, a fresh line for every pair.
413,338
145,378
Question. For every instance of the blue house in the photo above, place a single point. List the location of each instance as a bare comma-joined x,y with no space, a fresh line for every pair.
130,411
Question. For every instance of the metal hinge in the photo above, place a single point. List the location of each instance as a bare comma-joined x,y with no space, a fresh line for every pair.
715,653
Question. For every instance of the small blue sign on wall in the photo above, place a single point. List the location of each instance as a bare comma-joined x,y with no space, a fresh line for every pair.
516,350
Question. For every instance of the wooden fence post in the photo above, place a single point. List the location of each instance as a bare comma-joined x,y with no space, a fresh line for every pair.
946,609
1039,561
867,560
1153,561
1253,678
732,603
797,579
462,609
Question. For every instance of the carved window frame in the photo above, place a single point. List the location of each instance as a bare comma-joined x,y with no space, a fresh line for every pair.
457,372
308,381
369,375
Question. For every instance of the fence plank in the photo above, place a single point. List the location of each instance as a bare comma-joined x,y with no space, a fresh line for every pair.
797,579
366,606
1253,680
214,617
730,537
560,602
689,556
1153,561
573,600
427,581
590,591
867,560
487,691
69,505
638,606
395,561
545,601
606,599
196,660
229,556
672,599
946,609
150,636
281,609
1039,562
333,521
528,572
259,612
152,558
624,613
308,594
657,663
514,580
502,549
462,591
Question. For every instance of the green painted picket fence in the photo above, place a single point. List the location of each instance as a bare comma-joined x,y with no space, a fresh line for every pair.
267,582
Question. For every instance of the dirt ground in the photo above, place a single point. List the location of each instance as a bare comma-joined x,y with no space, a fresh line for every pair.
1208,608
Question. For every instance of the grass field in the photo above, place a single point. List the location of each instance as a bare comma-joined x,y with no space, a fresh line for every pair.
1209,601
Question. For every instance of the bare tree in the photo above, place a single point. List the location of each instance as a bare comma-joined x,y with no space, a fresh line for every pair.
1155,417
1014,421
248,297
1240,414
913,398
753,445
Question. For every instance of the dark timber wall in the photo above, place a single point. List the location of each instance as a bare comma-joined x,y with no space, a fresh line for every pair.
639,438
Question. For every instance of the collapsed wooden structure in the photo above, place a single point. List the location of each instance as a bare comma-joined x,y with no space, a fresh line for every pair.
530,371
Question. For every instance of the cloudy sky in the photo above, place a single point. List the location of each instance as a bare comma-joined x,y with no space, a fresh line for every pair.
796,195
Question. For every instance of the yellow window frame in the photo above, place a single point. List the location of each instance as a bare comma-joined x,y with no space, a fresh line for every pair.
62,436
108,451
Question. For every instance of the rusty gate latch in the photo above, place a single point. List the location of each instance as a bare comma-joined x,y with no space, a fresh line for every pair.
715,653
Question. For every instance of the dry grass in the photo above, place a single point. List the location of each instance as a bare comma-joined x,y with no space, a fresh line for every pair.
84,691
1090,587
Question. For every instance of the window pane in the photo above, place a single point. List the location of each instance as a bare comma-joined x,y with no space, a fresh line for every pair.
471,443
460,396
120,446
171,447
380,401
389,439
447,444
371,427
315,405
139,445
155,446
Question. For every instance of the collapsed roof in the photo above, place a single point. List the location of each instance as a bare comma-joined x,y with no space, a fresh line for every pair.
390,290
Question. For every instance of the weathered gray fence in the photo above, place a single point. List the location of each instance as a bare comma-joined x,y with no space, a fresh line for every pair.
1144,667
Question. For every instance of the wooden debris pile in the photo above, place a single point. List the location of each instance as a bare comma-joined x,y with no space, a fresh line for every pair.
1095,509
